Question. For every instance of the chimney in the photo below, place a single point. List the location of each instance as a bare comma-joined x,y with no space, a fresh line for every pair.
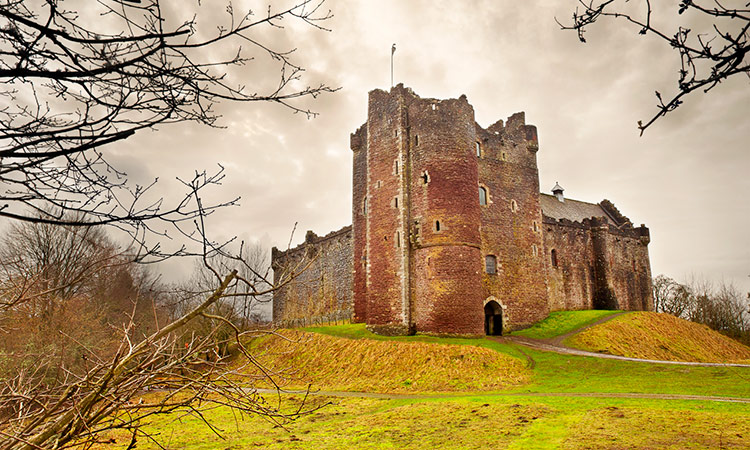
558,191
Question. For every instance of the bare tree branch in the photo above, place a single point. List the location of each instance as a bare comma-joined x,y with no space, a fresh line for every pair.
707,57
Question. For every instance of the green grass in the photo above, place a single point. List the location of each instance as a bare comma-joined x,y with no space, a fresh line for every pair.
359,331
562,322
467,423
335,364
555,372
552,412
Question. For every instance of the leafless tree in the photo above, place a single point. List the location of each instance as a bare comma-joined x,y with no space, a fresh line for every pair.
671,297
708,55
109,390
44,265
722,307
79,75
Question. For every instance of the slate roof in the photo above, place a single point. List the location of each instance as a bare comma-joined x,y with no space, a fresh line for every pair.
571,209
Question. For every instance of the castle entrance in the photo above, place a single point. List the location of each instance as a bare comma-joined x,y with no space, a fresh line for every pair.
493,319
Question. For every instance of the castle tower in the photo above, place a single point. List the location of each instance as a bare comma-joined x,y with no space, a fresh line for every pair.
417,217
514,277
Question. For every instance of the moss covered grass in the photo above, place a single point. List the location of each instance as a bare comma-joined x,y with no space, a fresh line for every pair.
562,322
478,422
550,411
555,372
649,335
331,363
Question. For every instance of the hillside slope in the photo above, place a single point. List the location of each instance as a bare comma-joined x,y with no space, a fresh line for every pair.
651,335
334,363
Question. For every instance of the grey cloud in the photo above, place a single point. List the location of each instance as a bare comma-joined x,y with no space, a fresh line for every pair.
685,178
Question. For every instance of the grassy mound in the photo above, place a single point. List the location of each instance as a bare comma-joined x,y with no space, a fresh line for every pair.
333,363
660,336
561,322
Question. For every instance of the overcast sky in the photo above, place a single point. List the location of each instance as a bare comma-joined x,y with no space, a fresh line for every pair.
686,178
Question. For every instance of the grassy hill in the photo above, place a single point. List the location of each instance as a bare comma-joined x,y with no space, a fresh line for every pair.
651,335
564,402
333,363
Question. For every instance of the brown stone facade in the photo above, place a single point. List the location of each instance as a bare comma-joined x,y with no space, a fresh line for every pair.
315,277
450,234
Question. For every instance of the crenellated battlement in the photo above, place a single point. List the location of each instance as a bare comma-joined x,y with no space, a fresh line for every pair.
279,257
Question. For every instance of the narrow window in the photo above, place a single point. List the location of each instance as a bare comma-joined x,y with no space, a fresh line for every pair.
416,140
425,177
479,149
553,257
364,206
396,134
534,251
437,225
482,196
490,264
395,202
503,156
433,107
398,239
395,167
535,226
513,206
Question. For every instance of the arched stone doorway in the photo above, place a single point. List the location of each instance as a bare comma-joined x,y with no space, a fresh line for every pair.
493,319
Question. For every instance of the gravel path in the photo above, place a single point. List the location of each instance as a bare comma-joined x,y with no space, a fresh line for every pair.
347,394
556,345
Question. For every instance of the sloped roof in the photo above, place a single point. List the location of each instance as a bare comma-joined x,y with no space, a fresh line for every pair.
573,210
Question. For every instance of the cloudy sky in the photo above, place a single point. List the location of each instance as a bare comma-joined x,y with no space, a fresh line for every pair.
686,178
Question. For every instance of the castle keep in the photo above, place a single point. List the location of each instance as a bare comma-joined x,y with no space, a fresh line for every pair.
451,235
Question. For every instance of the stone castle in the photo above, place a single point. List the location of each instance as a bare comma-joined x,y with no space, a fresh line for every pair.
450,234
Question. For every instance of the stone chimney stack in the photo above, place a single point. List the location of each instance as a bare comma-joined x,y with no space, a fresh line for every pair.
558,191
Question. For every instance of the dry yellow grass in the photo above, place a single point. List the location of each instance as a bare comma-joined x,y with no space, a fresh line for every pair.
332,363
660,336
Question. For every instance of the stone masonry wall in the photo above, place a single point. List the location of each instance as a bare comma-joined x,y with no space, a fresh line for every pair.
446,292
360,209
414,257
511,222
571,280
387,307
598,265
321,269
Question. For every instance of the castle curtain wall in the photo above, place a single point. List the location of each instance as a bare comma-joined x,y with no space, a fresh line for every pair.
321,269
598,266
571,279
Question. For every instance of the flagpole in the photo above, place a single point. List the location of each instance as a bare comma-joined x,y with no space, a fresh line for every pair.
393,50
